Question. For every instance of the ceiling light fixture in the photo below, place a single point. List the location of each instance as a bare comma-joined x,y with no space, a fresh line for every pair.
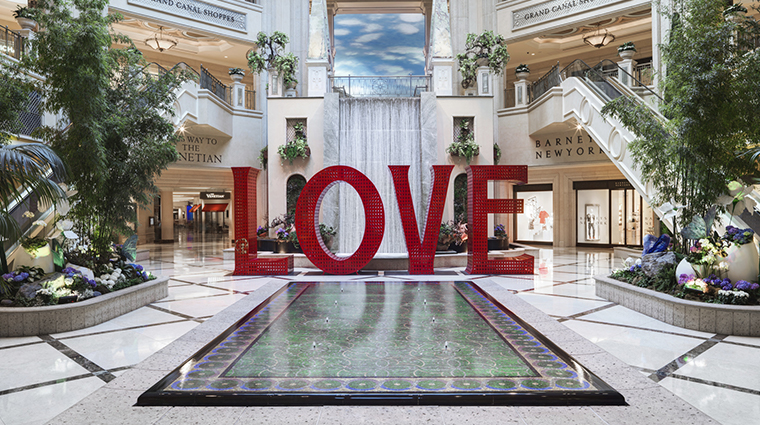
158,42
598,38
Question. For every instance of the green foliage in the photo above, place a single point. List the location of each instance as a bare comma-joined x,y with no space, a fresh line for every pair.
287,65
23,12
267,49
119,138
25,165
627,46
486,48
264,157
33,244
465,145
522,68
236,71
293,190
298,147
460,198
710,89
14,91
496,154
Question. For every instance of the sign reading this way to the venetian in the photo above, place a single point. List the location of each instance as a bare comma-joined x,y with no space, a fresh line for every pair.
192,149
198,11
547,11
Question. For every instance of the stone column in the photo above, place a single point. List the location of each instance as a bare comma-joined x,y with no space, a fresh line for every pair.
167,215
318,57
318,83
441,53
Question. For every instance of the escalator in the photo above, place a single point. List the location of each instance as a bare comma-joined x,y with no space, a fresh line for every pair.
586,90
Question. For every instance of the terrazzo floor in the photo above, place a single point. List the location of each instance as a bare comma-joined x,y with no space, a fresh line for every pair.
42,376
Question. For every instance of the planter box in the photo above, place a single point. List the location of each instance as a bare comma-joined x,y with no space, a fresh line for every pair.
498,244
30,321
740,320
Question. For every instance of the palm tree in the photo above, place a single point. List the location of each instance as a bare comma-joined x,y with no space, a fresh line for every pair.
23,166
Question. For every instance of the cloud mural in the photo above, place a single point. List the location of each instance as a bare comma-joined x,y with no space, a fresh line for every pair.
381,44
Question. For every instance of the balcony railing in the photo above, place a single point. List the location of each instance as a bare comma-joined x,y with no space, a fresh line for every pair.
11,43
379,86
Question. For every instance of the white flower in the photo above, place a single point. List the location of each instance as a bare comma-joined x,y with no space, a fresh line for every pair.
638,261
28,214
628,262
39,223
45,291
738,196
670,210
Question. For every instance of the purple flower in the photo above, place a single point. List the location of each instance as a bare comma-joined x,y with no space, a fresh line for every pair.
19,278
743,285
8,276
754,286
145,275
727,288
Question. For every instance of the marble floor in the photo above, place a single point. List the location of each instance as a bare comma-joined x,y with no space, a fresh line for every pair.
44,375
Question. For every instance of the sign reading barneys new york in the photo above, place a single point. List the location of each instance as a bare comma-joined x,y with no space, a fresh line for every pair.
550,10
198,11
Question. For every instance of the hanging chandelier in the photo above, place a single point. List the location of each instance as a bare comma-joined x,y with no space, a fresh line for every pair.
599,37
158,42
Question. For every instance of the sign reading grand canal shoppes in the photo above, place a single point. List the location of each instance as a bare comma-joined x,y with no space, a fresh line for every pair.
550,10
198,11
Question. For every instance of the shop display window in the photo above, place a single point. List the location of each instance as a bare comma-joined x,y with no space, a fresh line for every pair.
536,223
593,216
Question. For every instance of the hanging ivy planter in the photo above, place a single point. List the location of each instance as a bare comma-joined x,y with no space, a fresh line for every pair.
298,147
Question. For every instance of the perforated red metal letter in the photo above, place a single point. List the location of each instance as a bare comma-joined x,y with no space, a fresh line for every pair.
246,261
421,255
307,220
478,208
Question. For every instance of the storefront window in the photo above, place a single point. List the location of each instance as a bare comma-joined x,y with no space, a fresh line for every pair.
536,223
593,216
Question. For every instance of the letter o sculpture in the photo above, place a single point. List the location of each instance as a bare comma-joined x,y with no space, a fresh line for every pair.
307,220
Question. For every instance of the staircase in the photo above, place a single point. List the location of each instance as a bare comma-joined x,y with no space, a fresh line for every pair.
585,91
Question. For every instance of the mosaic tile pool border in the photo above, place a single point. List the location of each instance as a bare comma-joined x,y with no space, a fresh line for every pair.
562,380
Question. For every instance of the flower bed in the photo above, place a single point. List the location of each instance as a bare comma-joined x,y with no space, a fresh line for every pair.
29,321
740,320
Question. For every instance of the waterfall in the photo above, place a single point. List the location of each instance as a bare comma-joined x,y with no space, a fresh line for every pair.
375,133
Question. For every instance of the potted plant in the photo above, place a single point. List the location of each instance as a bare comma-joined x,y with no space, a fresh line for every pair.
264,156
237,74
500,241
268,55
445,236
627,50
328,235
286,65
496,153
465,145
486,49
298,147
35,247
24,18
460,236
522,71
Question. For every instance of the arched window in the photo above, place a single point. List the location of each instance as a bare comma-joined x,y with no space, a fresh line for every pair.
460,198
295,184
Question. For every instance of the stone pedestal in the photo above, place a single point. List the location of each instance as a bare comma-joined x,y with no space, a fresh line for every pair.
521,93
443,71
627,65
275,86
318,82
238,95
485,84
